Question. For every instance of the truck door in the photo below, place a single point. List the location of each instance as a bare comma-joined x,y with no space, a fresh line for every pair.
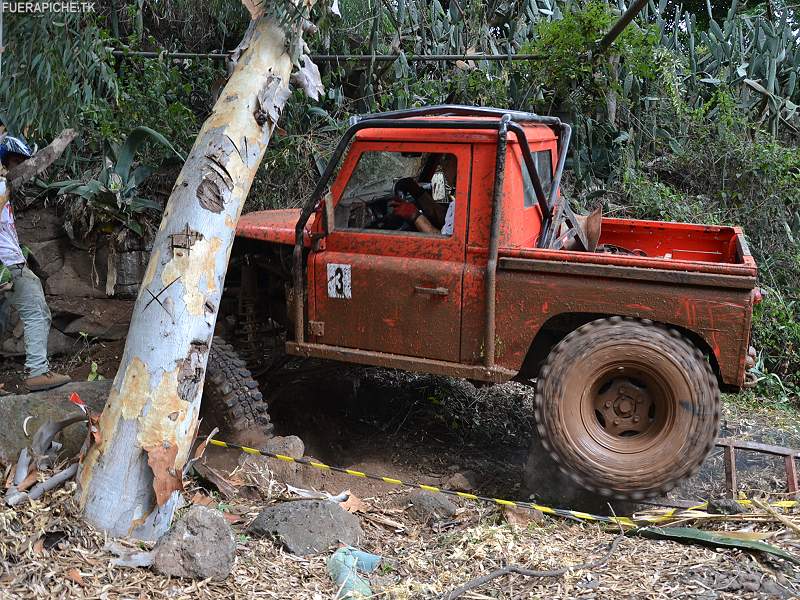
380,284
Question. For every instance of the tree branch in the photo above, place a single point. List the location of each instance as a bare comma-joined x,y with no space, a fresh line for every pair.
42,159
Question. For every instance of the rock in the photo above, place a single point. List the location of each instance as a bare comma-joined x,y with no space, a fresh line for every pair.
426,507
81,276
281,471
39,225
466,481
308,526
57,342
772,590
522,517
48,256
198,546
291,445
53,405
130,272
725,506
97,329
549,485
750,582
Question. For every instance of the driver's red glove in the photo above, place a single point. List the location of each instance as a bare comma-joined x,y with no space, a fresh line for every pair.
404,210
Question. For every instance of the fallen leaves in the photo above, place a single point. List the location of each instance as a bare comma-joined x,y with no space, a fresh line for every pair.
74,575
354,504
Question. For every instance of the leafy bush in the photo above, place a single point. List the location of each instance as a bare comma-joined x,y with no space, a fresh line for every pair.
112,200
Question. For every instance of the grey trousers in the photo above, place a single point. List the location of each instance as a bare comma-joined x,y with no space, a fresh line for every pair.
27,297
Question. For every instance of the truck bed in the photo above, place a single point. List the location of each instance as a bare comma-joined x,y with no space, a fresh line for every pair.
697,278
657,245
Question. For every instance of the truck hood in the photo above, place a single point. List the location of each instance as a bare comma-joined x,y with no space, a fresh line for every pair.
272,226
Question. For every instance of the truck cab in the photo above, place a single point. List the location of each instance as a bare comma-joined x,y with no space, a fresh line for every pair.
628,327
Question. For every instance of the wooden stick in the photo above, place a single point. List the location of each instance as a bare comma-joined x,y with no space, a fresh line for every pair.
786,521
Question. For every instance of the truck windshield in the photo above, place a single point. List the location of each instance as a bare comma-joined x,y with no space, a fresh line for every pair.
377,172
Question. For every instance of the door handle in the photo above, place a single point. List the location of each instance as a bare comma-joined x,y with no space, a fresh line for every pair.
437,291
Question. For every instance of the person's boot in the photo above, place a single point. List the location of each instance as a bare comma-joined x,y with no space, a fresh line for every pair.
47,381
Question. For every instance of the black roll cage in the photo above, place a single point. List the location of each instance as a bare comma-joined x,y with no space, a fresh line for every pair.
507,121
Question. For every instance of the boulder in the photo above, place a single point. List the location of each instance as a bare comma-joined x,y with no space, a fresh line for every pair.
81,276
466,481
200,545
426,507
53,405
308,526
282,471
97,329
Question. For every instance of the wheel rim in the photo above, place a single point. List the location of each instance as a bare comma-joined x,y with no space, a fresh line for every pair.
627,408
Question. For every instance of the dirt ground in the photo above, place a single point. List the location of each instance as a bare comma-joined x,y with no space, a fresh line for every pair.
422,429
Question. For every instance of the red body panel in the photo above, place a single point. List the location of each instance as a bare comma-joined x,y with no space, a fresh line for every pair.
272,225
419,295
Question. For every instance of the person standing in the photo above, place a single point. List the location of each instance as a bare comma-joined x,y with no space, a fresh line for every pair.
25,293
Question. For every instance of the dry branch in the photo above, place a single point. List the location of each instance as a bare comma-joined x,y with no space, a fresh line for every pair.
507,570
42,159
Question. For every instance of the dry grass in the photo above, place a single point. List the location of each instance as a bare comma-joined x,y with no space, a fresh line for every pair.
46,552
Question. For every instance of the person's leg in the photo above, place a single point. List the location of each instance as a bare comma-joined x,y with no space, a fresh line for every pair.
27,297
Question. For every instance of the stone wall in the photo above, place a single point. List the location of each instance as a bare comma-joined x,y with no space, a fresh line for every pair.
75,282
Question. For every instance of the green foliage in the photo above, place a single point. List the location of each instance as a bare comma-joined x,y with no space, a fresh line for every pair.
169,96
776,334
55,65
570,68
112,199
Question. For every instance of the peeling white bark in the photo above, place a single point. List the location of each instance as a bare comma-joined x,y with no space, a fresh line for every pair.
129,481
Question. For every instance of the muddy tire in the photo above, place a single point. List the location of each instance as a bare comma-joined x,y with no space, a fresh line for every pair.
231,398
627,408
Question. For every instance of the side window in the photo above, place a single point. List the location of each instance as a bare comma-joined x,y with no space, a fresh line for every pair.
544,167
402,192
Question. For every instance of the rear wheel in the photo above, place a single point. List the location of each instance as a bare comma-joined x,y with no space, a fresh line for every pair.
231,398
627,408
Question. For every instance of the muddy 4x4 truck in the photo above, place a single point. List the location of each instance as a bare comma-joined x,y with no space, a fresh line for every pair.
629,328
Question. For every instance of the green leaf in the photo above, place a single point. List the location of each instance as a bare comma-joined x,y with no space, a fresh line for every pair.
693,535
136,138
757,87
135,227
138,176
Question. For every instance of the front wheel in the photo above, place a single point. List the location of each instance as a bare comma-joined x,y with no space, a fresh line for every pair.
231,398
627,408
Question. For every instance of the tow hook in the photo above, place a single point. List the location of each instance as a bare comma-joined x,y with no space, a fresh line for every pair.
750,378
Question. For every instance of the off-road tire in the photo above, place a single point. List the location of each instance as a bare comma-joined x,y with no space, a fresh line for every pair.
579,382
231,398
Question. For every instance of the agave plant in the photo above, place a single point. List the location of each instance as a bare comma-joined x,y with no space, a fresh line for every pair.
112,199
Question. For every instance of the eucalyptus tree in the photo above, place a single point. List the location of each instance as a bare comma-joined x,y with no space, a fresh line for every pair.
131,476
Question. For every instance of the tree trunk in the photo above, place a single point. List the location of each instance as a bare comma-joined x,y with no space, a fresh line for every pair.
130,482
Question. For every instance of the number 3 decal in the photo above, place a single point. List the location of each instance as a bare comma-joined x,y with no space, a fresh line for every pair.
339,281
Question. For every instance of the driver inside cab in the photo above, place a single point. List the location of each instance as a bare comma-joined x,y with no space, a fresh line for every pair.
416,205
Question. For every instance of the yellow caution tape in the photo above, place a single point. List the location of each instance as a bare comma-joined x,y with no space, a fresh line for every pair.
664,515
